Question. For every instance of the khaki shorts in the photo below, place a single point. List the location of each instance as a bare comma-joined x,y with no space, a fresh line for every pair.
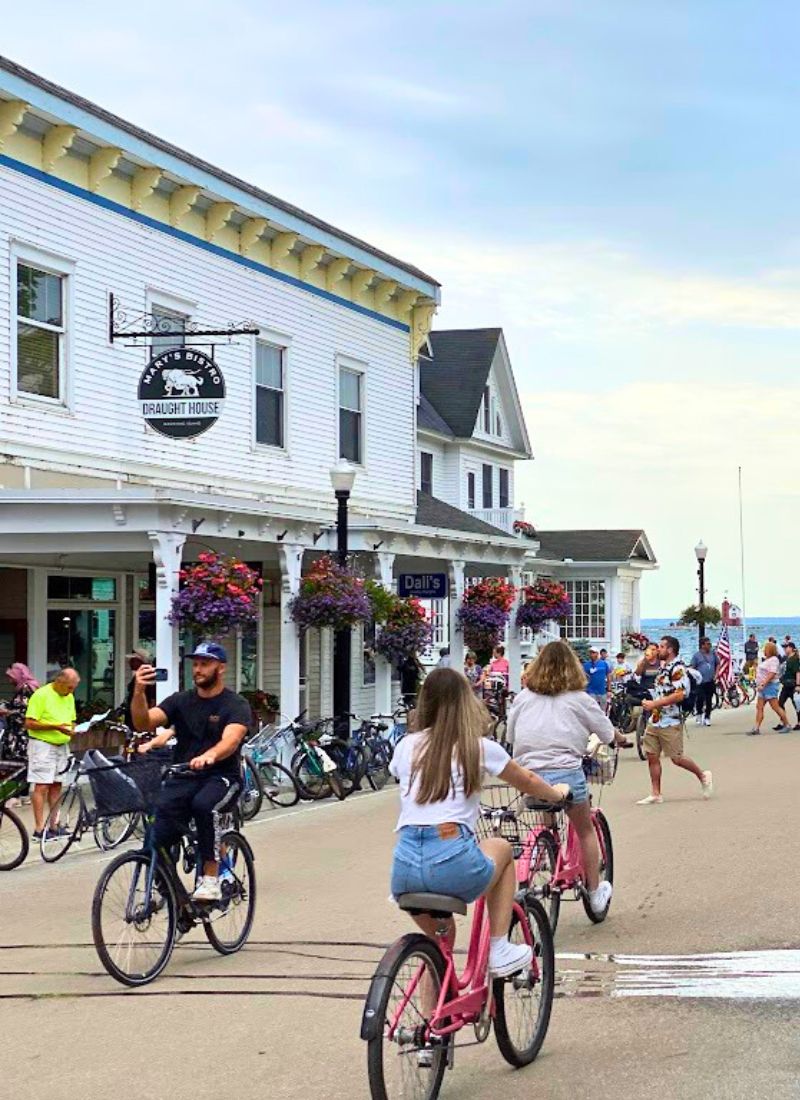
667,740
46,761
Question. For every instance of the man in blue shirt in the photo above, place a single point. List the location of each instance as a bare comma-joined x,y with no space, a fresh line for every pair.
705,661
598,672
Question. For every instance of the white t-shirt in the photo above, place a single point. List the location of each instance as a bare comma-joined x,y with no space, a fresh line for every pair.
456,807
551,731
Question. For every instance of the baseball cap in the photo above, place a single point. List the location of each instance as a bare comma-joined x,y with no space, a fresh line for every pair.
594,649
212,651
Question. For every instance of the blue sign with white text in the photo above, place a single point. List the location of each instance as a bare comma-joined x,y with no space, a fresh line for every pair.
426,586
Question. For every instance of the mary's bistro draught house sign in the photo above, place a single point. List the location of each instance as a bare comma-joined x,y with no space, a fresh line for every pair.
181,393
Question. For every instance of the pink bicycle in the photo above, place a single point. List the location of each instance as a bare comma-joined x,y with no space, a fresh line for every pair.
417,1000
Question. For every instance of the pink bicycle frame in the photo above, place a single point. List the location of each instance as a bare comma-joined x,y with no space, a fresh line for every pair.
568,872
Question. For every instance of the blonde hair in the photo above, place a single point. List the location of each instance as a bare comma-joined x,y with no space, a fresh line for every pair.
770,650
555,670
456,721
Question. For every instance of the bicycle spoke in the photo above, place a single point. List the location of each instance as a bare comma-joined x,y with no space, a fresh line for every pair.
407,1072
134,927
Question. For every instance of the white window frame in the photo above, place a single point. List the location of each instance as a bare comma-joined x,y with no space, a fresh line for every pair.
356,366
156,299
583,621
426,454
53,264
283,343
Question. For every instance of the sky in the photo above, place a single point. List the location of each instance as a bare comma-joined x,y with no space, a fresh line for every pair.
614,182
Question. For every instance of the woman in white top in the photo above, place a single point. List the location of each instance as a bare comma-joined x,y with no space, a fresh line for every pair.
440,771
549,724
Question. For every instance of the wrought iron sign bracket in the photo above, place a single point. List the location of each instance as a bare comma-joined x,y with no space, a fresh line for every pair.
123,325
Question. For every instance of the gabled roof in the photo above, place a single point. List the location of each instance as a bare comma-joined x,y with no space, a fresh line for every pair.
428,419
432,512
585,546
454,380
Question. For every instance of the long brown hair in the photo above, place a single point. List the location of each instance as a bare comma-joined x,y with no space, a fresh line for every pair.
456,721
555,670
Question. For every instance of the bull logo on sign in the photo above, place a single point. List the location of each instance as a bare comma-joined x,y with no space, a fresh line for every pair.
181,382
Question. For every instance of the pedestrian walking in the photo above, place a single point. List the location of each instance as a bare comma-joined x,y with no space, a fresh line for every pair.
750,654
767,688
445,660
598,675
665,729
50,721
499,666
473,671
411,672
706,662
790,681
14,740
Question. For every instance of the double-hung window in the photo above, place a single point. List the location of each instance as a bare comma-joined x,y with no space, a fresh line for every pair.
426,472
169,330
351,396
503,501
487,410
270,361
488,496
470,490
41,332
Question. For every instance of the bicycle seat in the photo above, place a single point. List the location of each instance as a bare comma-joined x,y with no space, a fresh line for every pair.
435,904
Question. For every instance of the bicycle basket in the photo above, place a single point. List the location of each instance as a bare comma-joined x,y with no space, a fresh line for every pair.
503,813
123,787
12,777
601,769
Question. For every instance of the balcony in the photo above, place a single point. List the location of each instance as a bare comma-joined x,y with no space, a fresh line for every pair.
498,517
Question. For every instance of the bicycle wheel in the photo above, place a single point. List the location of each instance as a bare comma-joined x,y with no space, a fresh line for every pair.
61,827
309,775
523,1002
543,866
278,783
641,727
403,994
133,931
734,698
228,922
14,841
110,832
378,765
252,794
350,766
603,832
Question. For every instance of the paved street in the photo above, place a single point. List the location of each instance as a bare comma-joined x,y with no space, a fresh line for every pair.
281,1018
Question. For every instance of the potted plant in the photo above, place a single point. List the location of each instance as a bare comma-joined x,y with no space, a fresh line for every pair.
402,627
543,601
217,595
634,640
332,596
483,614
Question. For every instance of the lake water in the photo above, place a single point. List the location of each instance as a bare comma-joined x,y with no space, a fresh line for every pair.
687,635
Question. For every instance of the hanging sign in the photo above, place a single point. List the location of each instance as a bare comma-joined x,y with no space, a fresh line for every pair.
181,393
426,586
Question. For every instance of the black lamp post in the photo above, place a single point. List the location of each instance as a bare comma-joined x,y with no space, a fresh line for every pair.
342,477
700,552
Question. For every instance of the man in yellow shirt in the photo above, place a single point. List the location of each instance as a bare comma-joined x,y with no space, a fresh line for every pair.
49,720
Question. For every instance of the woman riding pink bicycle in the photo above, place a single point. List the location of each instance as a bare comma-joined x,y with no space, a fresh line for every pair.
549,724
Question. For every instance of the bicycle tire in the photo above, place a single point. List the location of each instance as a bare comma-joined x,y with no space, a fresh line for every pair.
378,766
53,847
161,883
544,858
350,766
384,1066
641,727
251,797
14,840
105,839
312,782
541,937
603,832
240,892
734,698
279,785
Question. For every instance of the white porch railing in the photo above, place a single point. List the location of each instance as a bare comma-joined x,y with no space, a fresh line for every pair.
498,517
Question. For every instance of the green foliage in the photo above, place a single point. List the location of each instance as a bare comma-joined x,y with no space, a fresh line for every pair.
381,600
695,615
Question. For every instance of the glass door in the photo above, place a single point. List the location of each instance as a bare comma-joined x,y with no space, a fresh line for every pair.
85,638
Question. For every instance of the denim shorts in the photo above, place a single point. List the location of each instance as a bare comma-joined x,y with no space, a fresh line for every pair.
424,863
769,691
574,777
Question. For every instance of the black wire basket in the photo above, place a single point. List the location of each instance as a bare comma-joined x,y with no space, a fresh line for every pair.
125,787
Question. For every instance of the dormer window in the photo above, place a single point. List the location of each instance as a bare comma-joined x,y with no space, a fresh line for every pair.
487,410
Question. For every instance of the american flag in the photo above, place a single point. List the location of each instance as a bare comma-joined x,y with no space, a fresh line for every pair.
725,666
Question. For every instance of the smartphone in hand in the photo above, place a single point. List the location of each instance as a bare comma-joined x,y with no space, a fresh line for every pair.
161,675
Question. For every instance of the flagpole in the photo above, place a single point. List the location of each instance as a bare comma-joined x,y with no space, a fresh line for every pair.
741,551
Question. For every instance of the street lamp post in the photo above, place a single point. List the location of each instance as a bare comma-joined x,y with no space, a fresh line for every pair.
342,477
700,552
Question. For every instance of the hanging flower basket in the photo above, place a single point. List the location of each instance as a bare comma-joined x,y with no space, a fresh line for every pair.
543,602
634,640
217,595
404,631
522,527
330,595
484,612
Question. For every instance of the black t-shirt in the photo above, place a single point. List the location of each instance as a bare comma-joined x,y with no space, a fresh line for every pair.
199,722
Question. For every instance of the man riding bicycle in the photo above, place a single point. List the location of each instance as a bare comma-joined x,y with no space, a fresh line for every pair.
209,724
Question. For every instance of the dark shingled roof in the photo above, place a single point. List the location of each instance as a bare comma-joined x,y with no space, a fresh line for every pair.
432,512
454,380
589,545
428,418
174,151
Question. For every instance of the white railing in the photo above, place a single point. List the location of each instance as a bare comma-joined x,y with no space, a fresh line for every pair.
498,517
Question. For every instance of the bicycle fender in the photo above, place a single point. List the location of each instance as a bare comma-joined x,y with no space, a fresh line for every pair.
371,1022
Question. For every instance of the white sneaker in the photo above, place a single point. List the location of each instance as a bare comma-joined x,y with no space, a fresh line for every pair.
708,784
706,721
600,899
650,800
207,889
698,720
507,958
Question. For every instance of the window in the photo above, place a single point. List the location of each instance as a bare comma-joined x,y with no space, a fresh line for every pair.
40,332
498,424
269,394
470,490
588,618
426,472
167,321
350,411
503,502
488,500
487,410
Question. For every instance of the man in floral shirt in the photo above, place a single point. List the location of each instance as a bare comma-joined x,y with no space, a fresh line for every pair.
665,728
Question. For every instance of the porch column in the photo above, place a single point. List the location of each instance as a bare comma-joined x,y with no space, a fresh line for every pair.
37,623
514,650
384,569
613,614
291,563
636,612
455,572
167,554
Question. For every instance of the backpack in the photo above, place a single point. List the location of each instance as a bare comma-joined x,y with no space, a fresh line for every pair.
689,703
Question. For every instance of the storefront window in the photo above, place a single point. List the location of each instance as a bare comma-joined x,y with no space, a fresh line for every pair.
100,589
85,640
